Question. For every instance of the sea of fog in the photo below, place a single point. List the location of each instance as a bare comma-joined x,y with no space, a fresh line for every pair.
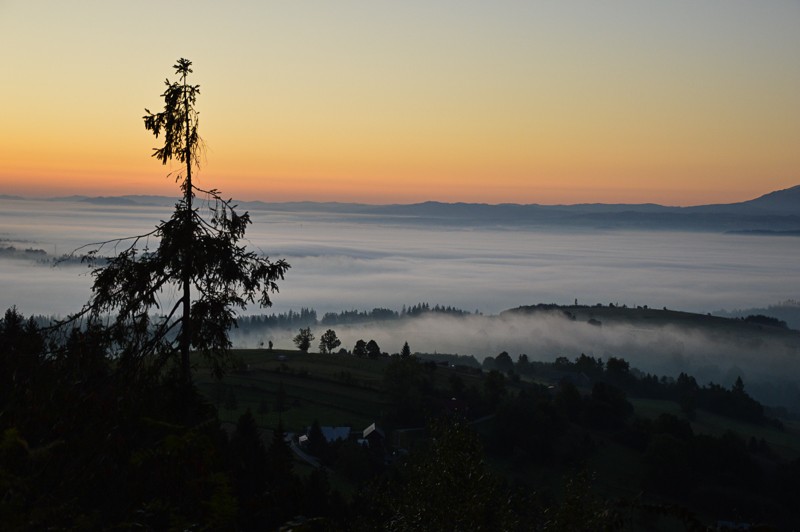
345,263
362,263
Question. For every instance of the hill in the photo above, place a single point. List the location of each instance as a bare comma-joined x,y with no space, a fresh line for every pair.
777,212
645,316
787,311
782,202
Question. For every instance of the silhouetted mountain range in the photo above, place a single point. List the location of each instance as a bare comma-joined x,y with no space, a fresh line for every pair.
776,213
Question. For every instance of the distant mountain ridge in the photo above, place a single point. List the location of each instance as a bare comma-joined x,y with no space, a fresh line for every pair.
776,213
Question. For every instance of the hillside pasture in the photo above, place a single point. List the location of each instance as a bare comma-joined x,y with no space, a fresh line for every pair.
333,389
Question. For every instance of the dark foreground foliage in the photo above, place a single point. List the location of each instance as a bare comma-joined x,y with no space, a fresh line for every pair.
87,444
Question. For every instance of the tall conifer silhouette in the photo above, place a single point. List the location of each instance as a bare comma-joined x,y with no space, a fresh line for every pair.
199,255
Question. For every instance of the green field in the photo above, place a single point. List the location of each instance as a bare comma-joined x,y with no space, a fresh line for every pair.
785,443
335,390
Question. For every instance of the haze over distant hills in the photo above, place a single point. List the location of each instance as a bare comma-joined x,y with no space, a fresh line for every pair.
773,213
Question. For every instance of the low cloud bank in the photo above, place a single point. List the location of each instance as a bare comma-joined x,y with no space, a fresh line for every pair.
340,263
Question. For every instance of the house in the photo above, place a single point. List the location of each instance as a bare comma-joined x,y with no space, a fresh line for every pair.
372,437
331,434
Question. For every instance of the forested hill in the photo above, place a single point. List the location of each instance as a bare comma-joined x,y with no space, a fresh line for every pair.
643,316
773,213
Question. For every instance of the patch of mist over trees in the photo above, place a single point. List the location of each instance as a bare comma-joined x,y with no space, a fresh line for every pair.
787,312
11,252
714,349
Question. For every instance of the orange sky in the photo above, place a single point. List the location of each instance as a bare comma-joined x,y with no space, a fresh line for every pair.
552,102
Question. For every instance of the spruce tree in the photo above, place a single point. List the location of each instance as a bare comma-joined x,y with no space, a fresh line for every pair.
197,255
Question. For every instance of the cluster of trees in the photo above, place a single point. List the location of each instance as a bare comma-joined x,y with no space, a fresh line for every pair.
415,393
369,349
356,316
761,319
735,402
307,317
711,474
382,314
303,339
329,341
269,491
27,253
424,308
539,426
88,443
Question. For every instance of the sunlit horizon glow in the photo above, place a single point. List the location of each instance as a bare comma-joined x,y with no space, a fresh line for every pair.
353,101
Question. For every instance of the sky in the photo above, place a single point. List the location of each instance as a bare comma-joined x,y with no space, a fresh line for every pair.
678,103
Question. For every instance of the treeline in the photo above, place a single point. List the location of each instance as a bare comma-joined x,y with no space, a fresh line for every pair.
307,317
761,319
787,312
289,320
41,256
27,253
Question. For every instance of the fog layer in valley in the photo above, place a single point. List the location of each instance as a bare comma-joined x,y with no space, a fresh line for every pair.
544,336
362,265
769,365
338,266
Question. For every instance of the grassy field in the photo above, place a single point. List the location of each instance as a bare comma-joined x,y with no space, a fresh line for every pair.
785,443
333,389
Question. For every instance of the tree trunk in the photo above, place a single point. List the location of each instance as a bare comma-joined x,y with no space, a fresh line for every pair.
186,278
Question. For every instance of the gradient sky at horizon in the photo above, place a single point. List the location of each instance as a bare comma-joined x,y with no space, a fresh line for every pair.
510,101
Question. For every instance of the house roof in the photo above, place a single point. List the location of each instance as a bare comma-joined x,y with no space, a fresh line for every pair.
372,429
